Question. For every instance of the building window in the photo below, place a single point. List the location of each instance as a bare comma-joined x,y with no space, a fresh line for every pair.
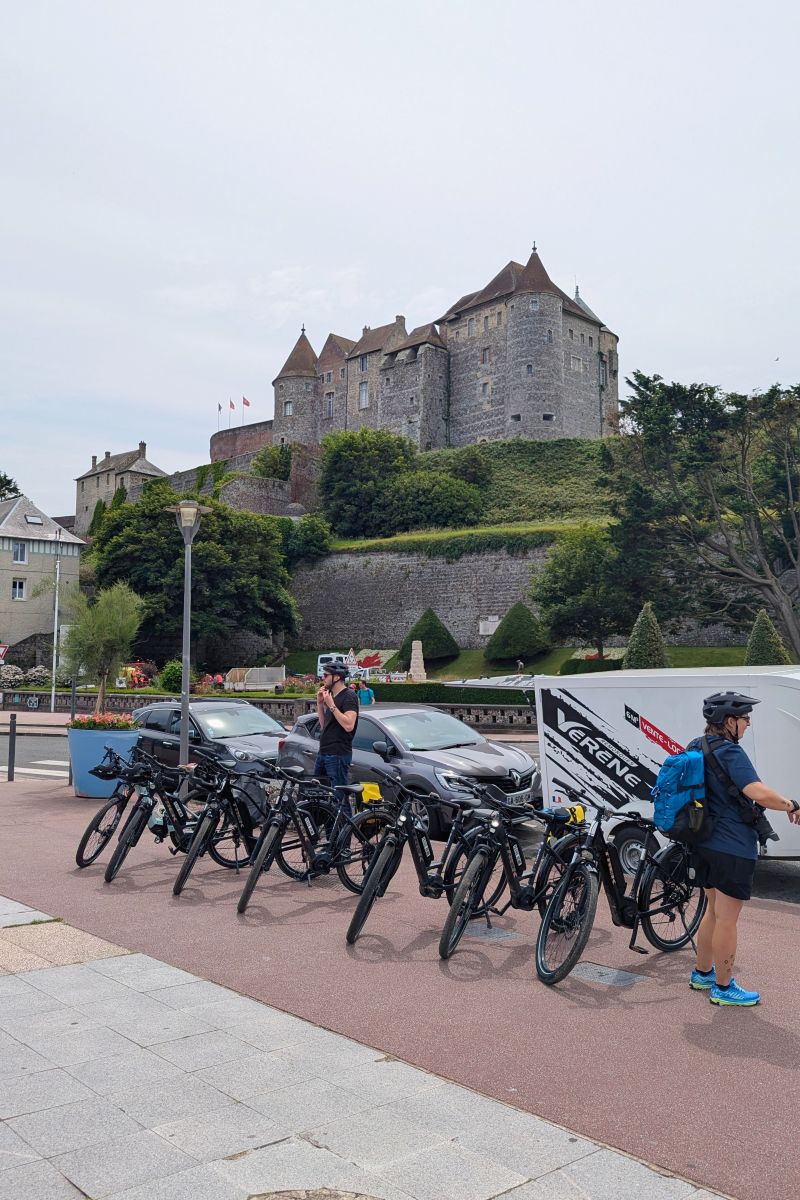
603,373
500,317
534,303
571,335
329,404
19,552
485,322
470,326
81,485
583,339
516,417
484,389
549,335
287,408
485,354
548,417
17,589
363,362
280,387
363,396
458,335
529,369
308,385
342,372
590,340
575,362
328,376
97,481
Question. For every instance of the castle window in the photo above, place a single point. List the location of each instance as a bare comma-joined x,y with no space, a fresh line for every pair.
342,372
549,335
328,376
516,417
471,326
590,340
308,385
81,485
485,354
583,339
280,387
529,369
363,396
329,404
603,373
576,363
458,335
485,322
499,316
362,362
534,303
287,408
484,389
548,417
17,589
571,335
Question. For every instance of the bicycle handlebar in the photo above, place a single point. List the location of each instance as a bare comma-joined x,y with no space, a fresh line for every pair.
607,811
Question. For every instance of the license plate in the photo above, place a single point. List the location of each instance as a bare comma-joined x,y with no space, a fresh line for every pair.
522,797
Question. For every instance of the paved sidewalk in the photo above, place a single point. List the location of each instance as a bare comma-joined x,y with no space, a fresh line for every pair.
124,1078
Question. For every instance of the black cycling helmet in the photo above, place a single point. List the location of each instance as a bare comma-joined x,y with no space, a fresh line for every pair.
336,668
727,704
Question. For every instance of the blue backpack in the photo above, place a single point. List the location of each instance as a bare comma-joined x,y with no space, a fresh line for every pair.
679,796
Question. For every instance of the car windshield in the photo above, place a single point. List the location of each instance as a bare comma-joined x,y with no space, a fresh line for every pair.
431,731
235,721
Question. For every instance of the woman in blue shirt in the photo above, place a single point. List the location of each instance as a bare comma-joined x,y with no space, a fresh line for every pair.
727,858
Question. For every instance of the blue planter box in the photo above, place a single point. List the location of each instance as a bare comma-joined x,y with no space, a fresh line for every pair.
87,748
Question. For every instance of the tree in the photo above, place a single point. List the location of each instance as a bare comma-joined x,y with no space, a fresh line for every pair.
519,635
765,646
273,462
356,469
471,465
646,649
309,538
239,576
8,487
720,477
119,497
437,640
577,592
97,517
101,633
425,500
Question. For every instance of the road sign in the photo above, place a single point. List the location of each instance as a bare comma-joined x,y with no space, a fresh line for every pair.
3,652
351,658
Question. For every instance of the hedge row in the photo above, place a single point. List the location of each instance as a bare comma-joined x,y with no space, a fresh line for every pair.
439,693
590,666
454,547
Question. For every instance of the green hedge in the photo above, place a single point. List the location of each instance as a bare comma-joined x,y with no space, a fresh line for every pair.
455,546
439,693
590,666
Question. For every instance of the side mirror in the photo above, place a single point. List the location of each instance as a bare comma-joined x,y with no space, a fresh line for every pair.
382,749
194,736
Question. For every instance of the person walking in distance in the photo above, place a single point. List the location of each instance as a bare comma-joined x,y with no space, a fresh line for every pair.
337,709
726,859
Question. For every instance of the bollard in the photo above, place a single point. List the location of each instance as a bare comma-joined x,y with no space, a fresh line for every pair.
12,745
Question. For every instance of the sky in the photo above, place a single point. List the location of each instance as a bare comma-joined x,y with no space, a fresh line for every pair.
185,182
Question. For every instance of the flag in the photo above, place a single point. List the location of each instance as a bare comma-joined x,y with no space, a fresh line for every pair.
245,402
231,404
219,408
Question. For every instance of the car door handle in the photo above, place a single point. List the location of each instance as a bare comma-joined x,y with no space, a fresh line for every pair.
167,744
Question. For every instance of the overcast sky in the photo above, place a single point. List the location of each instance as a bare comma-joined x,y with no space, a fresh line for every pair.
185,183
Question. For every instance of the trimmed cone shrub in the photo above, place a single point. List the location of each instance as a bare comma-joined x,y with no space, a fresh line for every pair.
646,649
765,647
519,635
437,640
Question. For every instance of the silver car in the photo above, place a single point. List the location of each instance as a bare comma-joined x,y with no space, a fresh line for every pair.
432,750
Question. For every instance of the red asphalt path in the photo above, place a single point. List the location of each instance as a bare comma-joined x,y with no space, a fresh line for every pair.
652,1069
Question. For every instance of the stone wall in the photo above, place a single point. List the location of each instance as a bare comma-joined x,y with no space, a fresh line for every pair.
245,439
250,493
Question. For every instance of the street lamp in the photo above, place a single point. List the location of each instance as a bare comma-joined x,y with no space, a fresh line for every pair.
55,623
187,515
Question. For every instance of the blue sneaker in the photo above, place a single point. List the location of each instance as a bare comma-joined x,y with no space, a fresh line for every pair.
734,995
702,981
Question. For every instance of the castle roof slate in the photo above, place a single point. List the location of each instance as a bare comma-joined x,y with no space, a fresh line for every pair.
423,335
582,304
372,340
514,278
129,460
14,522
301,362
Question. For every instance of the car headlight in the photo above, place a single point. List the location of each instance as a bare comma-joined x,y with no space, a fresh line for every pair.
452,782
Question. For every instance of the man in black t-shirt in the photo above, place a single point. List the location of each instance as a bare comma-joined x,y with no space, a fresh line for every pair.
337,709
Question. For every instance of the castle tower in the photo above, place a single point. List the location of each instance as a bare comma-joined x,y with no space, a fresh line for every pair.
534,405
415,388
296,400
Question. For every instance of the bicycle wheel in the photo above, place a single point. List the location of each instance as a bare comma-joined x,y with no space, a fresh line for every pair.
200,842
466,899
493,888
231,846
362,841
261,863
291,856
671,904
380,870
100,830
130,835
551,869
567,924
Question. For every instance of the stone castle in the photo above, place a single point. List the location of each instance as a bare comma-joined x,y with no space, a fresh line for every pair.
517,358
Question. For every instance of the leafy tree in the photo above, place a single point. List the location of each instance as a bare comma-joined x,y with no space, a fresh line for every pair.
8,487
577,590
519,635
170,677
437,640
101,633
765,646
646,649
719,476
97,517
425,500
239,577
273,462
356,469
472,465
119,497
309,538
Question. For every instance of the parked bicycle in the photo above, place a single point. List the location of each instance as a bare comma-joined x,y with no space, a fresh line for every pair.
103,825
497,848
312,831
663,900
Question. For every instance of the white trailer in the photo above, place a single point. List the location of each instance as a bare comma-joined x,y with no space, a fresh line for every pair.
610,732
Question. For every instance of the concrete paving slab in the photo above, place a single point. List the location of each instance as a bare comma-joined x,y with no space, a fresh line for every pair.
255,1074
191,995
311,1102
122,1073
17,1059
29,917
179,1096
68,1047
154,1030
128,1005
13,958
37,1181
122,964
7,905
45,1089
285,1165
11,985
222,1133
60,943
272,1030
80,986
72,1126
227,1014
25,1028
375,1138
198,1183
142,1158
606,1175
450,1174
157,978
383,1080
14,1152
201,1050
522,1142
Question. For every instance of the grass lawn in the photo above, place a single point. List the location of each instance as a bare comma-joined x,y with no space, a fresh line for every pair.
706,656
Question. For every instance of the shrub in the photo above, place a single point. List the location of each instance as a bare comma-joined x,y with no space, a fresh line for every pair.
97,517
37,677
273,462
308,538
519,635
437,640
765,646
589,666
471,465
426,500
11,676
171,676
356,468
646,649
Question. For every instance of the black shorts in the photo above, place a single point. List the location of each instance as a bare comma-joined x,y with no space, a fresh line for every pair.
726,873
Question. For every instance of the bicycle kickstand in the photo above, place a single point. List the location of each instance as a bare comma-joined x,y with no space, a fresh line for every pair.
634,934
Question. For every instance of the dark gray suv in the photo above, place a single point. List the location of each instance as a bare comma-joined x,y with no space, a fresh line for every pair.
432,750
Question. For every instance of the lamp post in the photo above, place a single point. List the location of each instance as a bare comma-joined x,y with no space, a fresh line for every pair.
187,514
55,623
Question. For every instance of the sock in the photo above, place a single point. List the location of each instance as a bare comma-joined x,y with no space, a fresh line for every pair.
723,987
706,973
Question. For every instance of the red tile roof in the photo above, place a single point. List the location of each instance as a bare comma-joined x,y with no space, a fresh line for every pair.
301,362
423,335
373,339
514,278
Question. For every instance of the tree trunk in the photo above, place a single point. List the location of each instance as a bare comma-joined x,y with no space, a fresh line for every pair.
101,695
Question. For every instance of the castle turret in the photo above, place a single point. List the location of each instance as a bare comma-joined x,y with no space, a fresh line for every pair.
535,361
296,400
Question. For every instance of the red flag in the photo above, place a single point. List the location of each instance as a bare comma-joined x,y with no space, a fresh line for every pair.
231,404
245,402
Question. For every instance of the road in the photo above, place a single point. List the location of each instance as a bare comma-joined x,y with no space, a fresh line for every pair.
37,757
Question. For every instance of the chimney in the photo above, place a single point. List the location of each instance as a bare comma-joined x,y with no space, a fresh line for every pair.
364,330
142,449
399,319
108,455
94,461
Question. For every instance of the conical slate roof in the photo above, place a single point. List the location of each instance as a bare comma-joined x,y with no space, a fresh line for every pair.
582,304
534,278
302,362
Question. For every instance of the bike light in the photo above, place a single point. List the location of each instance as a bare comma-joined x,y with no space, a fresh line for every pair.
401,820
494,823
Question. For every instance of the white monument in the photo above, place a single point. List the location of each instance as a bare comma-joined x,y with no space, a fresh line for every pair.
417,669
